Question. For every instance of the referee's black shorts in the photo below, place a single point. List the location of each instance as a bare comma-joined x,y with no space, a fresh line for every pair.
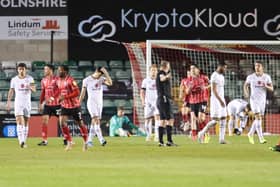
51,110
74,112
164,106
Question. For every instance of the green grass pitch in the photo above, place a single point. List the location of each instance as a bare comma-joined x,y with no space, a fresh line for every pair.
132,162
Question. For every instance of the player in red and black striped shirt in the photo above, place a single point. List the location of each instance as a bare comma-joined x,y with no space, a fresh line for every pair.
49,104
70,105
195,86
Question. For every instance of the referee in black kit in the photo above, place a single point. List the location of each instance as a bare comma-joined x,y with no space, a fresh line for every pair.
164,103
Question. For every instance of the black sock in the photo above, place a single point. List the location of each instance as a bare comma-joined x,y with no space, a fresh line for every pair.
169,133
160,134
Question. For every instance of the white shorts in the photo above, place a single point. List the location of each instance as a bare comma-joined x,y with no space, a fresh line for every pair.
150,110
216,110
257,106
95,109
23,110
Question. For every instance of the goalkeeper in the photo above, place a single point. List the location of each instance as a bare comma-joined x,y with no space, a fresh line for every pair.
120,125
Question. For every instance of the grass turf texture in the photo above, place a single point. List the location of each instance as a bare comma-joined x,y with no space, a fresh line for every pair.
134,162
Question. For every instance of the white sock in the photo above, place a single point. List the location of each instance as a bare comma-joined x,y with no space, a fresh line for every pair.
146,127
91,133
150,127
259,129
222,130
243,123
20,133
253,128
25,133
208,126
157,122
230,126
99,133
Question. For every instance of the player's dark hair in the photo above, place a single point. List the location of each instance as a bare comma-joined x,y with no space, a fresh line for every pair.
23,65
259,62
222,63
65,68
195,65
98,69
120,108
164,64
50,66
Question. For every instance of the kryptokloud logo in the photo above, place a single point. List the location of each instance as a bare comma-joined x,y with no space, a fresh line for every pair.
272,27
96,28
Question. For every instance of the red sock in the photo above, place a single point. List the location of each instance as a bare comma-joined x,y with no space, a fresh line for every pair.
45,132
202,125
185,117
84,132
66,133
194,132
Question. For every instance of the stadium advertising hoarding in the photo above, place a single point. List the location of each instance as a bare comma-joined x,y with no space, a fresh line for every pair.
33,27
33,19
132,20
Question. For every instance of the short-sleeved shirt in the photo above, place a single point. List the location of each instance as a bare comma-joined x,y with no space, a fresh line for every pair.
66,86
163,87
22,89
257,86
196,84
49,85
94,87
149,85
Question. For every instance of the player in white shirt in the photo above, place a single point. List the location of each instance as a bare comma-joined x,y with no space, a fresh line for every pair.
93,85
238,111
21,85
148,95
218,111
259,83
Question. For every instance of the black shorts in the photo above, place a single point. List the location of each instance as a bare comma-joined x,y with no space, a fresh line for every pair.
164,106
74,112
51,110
186,104
198,107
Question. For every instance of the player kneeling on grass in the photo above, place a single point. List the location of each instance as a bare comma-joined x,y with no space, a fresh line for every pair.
22,85
120,125
93,86
148,97
238,110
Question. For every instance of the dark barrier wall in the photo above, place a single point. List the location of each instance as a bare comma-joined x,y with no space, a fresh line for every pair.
134,20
